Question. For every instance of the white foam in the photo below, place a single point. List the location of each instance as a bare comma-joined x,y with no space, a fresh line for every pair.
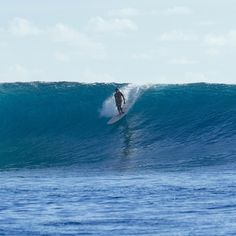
131,93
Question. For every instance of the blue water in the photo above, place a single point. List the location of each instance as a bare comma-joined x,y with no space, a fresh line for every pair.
167,168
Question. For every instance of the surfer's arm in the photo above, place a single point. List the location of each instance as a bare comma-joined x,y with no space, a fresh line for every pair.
123,97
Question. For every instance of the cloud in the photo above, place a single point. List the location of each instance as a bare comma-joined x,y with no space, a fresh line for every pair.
59,56
140,56
19,69
186,77
22,27
101,25
178,36
179,10
18,72
194,77
85,46
215,40
212,52
232,37
3,44
182,61
125,12
93,77
227,39
67,34
60,33
206,23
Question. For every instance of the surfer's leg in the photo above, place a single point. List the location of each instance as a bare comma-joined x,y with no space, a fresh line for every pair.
119,108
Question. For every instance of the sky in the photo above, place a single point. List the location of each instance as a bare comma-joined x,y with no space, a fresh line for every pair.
134,41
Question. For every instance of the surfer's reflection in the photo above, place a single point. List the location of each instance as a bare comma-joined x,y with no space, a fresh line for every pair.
123,161
127,138
127,162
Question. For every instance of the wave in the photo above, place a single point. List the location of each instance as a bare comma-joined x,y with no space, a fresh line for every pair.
65,124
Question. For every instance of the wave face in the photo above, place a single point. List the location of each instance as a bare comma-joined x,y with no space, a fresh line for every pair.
65,124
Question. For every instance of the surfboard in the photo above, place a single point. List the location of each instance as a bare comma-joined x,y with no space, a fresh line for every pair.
117,117
127,106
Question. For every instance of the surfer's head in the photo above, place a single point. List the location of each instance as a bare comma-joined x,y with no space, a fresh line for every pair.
116,89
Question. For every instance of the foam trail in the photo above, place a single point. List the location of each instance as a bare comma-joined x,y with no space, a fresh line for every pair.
131,93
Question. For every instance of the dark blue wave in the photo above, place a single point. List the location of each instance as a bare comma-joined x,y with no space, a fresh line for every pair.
172,126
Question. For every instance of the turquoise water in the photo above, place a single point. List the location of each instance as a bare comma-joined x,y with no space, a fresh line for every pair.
167,168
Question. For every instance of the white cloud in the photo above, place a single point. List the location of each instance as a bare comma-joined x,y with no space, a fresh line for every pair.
59,56
187,77
195,77
86,46
99,24
183,61
67,34
178,36
18,72
212,52
93,77
232,37
206,23
140,56
227,39
125,12
19,69
179,10
61,33
3,44
23,27
216,40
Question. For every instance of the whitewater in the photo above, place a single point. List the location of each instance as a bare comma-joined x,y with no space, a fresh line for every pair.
167,168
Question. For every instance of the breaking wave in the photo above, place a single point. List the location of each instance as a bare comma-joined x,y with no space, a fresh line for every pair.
65,124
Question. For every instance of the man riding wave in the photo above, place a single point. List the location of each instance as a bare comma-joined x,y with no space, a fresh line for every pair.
118,98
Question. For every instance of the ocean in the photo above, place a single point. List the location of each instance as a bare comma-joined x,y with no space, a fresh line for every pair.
167,168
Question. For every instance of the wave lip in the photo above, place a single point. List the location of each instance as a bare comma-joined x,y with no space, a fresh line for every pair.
64,124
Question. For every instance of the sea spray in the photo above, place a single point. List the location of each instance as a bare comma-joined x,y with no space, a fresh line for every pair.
131,93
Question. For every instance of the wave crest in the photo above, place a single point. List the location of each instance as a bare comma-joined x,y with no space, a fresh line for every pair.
54,124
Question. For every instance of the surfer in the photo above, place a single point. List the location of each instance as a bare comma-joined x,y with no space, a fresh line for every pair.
118,98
